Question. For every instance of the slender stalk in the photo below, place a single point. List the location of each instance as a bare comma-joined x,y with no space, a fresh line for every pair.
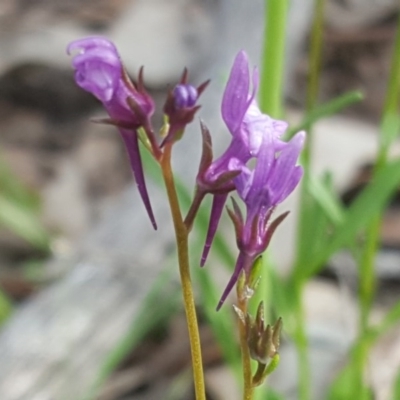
390,110
272,70
246,362
311,102
304,235
314,71
301,341
271,82
181,234
360,358
271,92
367,283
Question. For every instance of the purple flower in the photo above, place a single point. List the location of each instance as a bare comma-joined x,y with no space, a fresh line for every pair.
180,107
98,70
274,177
185,96
249,129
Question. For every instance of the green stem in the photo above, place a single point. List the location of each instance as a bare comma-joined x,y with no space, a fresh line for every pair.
390,110
248,388
272,70
304,235
301,341
271,87
315,55
181,234
314,72
367,284
367,274
360,358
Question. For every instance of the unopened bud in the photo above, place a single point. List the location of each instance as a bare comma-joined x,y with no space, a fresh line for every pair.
185,96
263,341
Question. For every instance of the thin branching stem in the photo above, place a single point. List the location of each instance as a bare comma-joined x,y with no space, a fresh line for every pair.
181,234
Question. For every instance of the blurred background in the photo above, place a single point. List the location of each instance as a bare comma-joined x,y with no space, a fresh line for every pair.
77,253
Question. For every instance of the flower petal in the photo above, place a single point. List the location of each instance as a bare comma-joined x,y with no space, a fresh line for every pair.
216,212
240,264
235,99
90,42
262,171
286,174
132,146
279,127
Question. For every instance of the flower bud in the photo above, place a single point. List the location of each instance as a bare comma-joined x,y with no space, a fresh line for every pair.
180,107
263,341
185,96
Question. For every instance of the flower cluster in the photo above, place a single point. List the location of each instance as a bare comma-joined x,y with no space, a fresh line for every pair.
256,140
99,70
275,175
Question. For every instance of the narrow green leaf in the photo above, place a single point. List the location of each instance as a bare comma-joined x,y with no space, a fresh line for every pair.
367,205
326,110
390,128
328,212
319,210
325,198
390,120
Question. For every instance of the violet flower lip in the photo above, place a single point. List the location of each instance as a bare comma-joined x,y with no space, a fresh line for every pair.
99,70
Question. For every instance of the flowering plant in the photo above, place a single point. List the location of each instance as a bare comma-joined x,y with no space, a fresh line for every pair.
255,137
